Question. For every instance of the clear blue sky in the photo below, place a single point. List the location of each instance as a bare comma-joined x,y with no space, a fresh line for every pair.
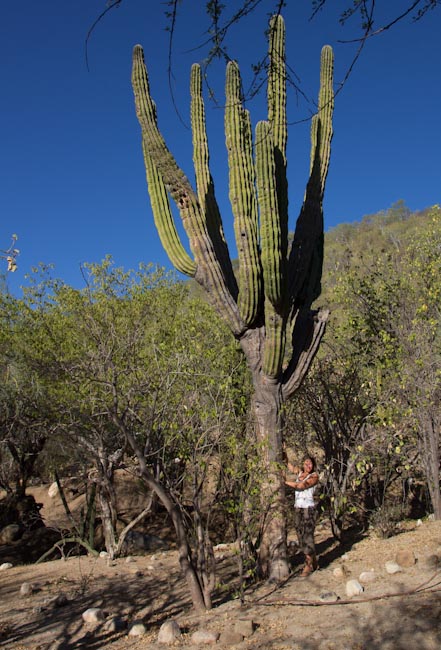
72,182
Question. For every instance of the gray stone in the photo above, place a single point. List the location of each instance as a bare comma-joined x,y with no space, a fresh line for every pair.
10,533
353,588
115,624
230,637
169,632
367,576
245,627
405,558
5,566
61,600
328,597
392,567
137,629
93,615
26,589
137,542
204,637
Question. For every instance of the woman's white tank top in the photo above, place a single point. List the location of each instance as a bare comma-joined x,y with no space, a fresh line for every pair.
305,498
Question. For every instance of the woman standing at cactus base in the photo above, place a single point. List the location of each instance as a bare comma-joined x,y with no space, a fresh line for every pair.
304,510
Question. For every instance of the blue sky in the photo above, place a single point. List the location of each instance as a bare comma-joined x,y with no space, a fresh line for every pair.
72,182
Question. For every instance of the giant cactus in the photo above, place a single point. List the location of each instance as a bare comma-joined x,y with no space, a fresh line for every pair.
268,305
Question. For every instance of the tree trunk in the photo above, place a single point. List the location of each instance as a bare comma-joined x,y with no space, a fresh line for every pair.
273,556
430,437
108,520
200,600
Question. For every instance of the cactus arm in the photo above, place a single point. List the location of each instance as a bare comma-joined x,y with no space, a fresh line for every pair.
270,244
306,256
270,230
204,181
308,332
242,196
326,109
276,99
164,222
209,273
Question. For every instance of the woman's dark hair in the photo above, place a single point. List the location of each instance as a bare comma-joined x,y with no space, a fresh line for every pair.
311,458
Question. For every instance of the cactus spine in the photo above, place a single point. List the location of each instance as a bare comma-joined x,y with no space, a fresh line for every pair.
275,287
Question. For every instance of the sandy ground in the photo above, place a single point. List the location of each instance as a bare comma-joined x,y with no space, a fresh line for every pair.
394,612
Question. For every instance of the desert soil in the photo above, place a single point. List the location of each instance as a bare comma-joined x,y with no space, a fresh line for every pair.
394,612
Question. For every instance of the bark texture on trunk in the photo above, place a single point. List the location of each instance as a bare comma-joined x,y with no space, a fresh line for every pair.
431,455
273,549
108,519
266,407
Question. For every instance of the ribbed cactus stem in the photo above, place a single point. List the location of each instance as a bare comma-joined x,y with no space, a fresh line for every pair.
204,180
164,221
276,97
270,233
277,84
242,195
325,112
306,257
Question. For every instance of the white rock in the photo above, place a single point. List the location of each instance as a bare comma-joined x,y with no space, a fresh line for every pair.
53,490
5,565
367,576
104,554
26,589
137,629
340,572
353,588
202,637
93,615
392,567
169,632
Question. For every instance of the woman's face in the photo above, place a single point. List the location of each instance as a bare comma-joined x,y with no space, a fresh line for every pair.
308,465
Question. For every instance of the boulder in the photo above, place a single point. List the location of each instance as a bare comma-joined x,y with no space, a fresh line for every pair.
353,588
169,632
137,629
93,615
10,533
405,558
204,637
392,567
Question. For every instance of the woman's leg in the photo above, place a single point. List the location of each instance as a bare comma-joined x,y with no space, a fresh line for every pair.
308,544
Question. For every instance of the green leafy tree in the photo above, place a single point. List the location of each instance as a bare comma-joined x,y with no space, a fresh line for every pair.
392,308
147,371
28,414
